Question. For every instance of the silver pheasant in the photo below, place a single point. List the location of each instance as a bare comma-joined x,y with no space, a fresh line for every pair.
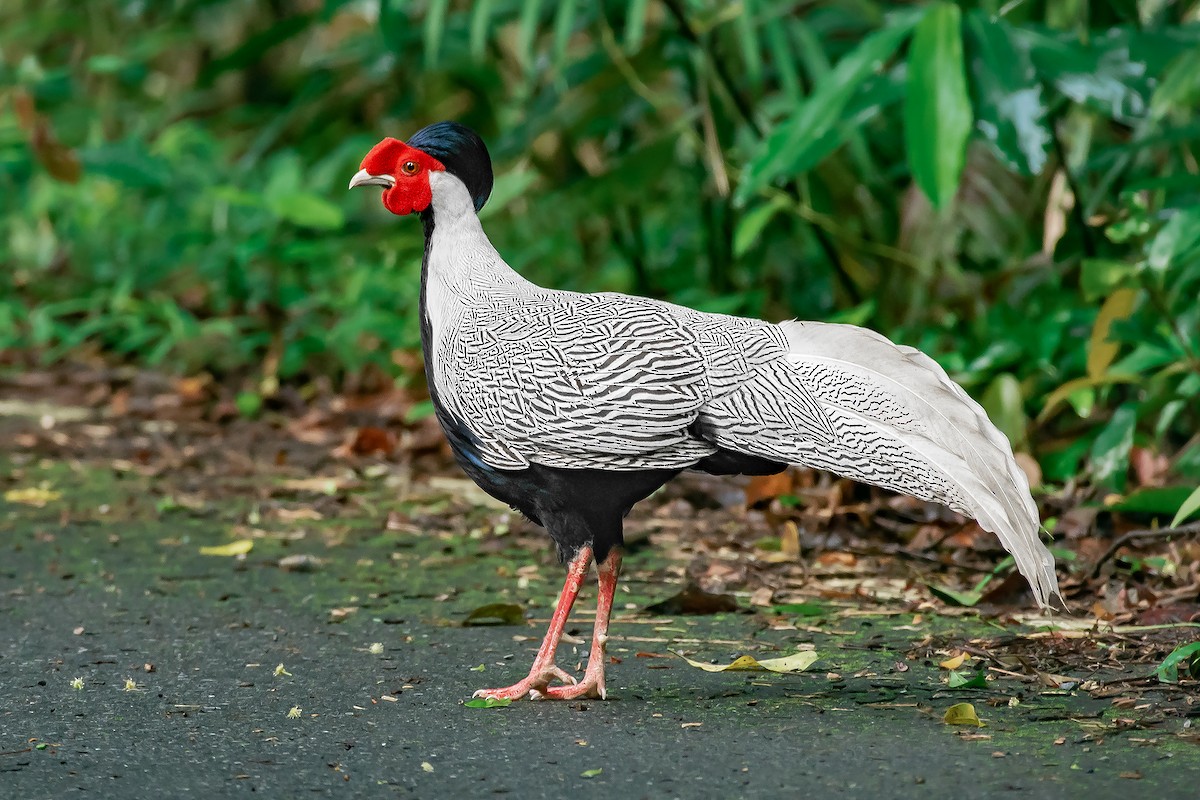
572,407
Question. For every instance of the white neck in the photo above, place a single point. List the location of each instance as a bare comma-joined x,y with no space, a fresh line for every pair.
463,265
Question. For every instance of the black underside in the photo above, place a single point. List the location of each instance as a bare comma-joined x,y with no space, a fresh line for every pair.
577,507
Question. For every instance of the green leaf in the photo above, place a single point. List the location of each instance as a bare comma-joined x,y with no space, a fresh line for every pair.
481,14
1178,240
1098,277
127,163
785,150
591,773
248,404
962,714
1006,407
1110,451
488,702
1153,500
959,680
564,26
937,110
752,223
307,209
1189,507
958,598
1009,103
1179,89
635,25
802,609
496,614
418,411
751,56
1186,655
435,27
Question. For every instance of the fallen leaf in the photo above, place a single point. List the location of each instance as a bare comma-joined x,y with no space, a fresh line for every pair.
1057,681
300,562
591,773
962,714
796,662
1187,656
32,496
694,600
236,548
768,487
370,440
802,609
488,702
954,663
496,614
958,680
425,765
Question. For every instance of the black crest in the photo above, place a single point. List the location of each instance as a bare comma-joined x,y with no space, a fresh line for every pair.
462,152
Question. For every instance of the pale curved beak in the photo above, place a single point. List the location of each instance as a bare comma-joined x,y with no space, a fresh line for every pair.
364,178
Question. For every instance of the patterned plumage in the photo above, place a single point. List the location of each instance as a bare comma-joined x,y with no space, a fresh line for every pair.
547,395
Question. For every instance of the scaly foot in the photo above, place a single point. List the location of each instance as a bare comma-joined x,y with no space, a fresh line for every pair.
592,685
535,685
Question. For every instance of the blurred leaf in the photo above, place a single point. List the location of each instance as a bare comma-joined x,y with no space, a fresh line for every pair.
796,662
937,109
635,24
1178,240
1059,395
1006,408
129,164
488,702
435,27
37,496
564,26
1098,277
751,224
238,547
481,14
1110,451
962,714
307,209
958,680
1010,107
1156,500
1101,349
1179,89
785,151
496,614
1190,506
751,56
249,404
811,609
1111,73
1186,656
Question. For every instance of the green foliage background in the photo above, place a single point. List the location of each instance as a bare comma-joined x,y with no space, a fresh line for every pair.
1010,186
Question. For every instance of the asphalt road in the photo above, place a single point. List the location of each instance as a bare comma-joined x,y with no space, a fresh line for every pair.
180,697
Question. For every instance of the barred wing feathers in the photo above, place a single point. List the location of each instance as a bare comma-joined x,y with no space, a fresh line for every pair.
603,380
900,423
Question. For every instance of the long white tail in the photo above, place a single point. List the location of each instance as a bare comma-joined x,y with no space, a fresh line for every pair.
897,421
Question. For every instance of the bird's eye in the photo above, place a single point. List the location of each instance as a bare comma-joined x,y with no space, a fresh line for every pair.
410,168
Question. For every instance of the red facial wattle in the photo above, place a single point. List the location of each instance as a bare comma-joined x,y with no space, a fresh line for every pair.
395,159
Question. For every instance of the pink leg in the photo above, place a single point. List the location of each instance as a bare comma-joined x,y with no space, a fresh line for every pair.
592,684
544,669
